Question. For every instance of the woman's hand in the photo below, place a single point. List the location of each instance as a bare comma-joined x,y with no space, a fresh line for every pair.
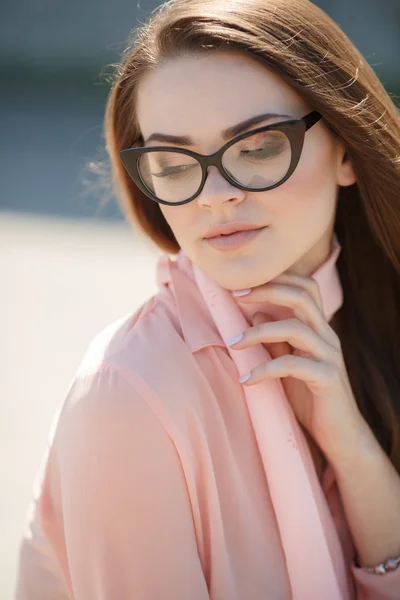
307,354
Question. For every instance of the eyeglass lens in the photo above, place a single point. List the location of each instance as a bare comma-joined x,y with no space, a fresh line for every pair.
257,161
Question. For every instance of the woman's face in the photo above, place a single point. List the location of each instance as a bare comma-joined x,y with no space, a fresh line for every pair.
199,97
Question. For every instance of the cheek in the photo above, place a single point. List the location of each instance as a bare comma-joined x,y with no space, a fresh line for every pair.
311,189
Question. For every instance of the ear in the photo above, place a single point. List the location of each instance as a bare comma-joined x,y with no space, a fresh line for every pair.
345,171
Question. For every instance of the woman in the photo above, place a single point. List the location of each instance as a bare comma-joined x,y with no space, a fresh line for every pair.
250,138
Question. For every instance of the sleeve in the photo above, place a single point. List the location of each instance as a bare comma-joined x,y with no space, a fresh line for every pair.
38,573
371,586
114,503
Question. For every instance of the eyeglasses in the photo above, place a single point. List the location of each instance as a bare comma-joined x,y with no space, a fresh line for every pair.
258,160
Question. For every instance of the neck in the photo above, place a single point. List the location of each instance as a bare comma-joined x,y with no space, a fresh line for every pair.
314,258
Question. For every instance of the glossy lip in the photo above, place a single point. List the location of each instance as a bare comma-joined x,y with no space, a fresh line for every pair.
232,227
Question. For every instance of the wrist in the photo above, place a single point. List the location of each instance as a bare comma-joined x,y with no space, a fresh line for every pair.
356,446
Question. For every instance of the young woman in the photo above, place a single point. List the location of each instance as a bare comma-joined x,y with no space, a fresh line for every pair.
238,437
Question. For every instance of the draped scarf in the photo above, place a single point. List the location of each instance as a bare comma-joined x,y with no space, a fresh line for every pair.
314,557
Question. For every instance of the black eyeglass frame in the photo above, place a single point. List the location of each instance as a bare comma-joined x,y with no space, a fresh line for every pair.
294,129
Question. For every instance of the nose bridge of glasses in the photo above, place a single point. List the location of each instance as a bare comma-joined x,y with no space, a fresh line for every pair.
211,160
214,160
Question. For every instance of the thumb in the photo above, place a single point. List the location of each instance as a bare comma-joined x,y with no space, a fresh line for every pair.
276,349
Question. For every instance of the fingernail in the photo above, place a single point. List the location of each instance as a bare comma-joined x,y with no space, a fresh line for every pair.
244,377
241,292
234,339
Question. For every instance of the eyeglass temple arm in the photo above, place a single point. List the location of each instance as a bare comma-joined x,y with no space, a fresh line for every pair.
312,118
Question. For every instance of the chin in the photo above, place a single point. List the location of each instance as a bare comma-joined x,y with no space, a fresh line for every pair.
239,277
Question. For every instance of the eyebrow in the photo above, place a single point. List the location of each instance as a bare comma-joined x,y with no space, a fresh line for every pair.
226,134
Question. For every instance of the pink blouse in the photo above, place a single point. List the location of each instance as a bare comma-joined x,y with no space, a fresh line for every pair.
152,487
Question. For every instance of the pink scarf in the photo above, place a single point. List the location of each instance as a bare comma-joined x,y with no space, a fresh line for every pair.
311,545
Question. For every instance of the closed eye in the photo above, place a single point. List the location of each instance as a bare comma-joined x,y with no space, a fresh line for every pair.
171,171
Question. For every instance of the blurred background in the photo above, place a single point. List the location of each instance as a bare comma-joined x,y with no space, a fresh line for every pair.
67,257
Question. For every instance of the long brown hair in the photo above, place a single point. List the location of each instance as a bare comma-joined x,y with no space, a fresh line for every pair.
299,42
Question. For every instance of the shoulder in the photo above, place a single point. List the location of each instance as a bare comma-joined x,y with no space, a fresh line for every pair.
133,337
157,356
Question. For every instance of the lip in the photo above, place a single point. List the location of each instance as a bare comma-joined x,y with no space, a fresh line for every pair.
233,241
232,227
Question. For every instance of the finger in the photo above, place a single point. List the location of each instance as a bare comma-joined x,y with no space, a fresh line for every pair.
316,374
275,349
306,283
300,301
292,331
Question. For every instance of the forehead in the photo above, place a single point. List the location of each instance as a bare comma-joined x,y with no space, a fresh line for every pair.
201,95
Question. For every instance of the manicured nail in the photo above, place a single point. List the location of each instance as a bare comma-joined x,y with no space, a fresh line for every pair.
241,292
234,339
244,377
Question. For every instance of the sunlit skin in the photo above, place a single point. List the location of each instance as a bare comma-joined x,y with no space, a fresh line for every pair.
199,97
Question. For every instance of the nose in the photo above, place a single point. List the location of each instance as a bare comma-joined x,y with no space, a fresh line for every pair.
218,190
